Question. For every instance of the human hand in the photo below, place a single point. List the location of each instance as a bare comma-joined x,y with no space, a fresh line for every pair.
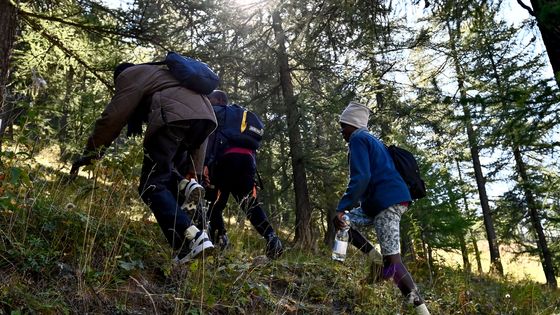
205,177
338,222
82,161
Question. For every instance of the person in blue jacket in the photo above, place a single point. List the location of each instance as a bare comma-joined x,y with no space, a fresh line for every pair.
382,196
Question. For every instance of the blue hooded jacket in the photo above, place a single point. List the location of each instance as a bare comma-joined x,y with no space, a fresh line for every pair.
374,181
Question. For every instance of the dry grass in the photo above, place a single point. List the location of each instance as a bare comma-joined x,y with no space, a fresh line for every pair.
523,267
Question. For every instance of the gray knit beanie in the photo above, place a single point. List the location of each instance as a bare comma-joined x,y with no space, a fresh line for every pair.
355,114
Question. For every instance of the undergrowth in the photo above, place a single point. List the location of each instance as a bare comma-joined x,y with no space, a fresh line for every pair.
90,246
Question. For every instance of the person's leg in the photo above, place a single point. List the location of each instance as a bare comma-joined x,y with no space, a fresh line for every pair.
359,241
217,195
387,226
218,204
358,218
196,133
190,191
241,182
155,181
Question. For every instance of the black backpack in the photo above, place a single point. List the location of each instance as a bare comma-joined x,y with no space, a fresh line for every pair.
406,165
237,127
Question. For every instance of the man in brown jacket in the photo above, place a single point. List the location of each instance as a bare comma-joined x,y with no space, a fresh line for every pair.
178,124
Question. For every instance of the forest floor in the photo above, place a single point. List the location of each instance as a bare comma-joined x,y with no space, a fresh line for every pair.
91,246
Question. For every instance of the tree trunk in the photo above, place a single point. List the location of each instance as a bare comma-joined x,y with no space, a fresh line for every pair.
331,231
430,259
476,253
303,232
544,252
63,120
427,256
547,14
495,260
8,24
465,253
407,246
462,238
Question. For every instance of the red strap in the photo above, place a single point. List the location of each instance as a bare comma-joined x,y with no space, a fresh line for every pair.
239,150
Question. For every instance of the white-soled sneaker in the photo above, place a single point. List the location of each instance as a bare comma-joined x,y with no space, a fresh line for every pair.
199,246
414,299
194,193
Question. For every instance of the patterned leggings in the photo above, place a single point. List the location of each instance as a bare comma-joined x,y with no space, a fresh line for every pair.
386,224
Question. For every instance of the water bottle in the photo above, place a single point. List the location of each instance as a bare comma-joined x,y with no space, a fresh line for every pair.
341,241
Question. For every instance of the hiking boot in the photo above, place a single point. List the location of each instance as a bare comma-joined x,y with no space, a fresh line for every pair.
273,246
194,193
199,244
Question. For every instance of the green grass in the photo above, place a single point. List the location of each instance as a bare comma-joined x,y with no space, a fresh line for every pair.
91,246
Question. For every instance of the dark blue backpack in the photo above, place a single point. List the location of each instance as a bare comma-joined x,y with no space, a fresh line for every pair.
193,74
237,127
406,165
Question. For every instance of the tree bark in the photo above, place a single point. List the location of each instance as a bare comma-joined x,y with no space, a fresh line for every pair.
8,25
63,120
303,230
331,231
462,238
407,246
495,260
544,252
476,253
465,253
426,254
547,14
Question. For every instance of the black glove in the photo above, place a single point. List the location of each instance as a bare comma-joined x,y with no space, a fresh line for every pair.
338,223
82,161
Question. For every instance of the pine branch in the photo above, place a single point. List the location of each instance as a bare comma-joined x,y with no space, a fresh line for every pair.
58,43
93,29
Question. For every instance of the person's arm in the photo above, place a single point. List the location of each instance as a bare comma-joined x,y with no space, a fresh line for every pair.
108,127
360,174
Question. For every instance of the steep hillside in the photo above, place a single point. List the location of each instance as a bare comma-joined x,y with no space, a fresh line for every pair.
90,246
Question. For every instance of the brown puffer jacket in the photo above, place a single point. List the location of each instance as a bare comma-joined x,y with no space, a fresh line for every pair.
170,104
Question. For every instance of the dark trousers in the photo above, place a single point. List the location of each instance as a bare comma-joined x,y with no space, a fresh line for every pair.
234,173
166,162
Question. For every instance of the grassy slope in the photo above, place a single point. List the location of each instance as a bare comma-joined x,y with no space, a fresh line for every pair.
89,246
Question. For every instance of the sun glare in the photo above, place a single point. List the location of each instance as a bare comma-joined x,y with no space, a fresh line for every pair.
249,4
